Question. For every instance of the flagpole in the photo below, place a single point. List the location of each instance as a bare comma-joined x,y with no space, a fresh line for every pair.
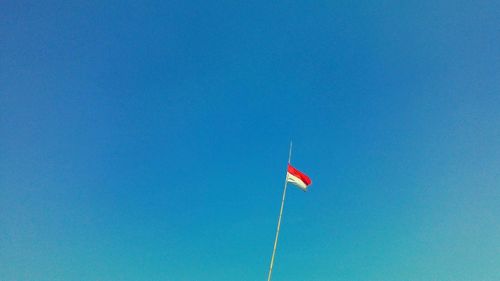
279,218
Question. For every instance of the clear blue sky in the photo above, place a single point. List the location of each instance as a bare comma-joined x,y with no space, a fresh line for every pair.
148,141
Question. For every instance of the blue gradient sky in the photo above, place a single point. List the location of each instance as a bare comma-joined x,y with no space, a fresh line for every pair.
148,141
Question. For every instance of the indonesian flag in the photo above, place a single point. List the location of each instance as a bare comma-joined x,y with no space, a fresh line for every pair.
298,178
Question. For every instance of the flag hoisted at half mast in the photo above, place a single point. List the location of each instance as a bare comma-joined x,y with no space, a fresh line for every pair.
297,178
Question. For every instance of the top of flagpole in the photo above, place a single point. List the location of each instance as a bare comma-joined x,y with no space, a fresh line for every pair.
290,153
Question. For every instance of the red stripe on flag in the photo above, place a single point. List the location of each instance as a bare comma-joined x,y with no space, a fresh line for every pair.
303,177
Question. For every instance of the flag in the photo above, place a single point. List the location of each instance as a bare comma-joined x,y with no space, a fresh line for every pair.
297,178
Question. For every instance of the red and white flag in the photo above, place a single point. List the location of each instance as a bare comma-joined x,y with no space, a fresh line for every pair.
298,178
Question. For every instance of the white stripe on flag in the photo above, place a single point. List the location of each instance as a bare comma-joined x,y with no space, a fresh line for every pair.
296,181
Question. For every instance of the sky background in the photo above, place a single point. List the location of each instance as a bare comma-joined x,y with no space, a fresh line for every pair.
148,140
